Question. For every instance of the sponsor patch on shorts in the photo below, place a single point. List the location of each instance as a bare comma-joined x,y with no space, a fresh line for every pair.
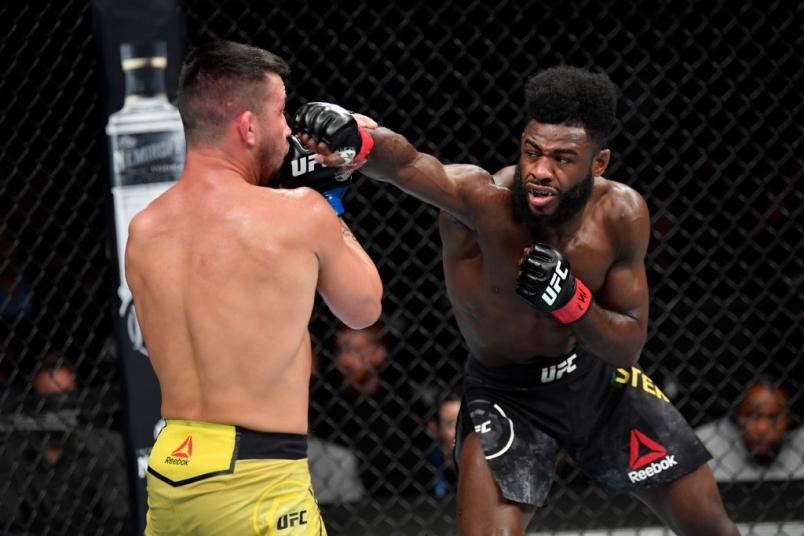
188,451
648,458
637,379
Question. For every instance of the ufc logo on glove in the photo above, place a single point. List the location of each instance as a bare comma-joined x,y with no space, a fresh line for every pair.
546,282
302,165
554,289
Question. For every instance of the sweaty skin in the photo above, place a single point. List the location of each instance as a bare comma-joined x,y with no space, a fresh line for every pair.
224,274
483,243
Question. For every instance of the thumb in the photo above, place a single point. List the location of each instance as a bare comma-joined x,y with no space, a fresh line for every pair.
330,160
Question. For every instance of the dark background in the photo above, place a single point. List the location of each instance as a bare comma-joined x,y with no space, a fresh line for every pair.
710,133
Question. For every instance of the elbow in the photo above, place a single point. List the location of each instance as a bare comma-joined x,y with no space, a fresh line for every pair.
621,356
630,346
632,359
368,309
373,312
365,315
630,356
620,360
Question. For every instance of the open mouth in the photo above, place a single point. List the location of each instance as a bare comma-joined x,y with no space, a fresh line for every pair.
540,195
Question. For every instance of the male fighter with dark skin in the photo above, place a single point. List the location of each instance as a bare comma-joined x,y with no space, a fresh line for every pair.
224,272
487,222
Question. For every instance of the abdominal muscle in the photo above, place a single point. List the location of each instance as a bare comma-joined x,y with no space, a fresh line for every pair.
499,339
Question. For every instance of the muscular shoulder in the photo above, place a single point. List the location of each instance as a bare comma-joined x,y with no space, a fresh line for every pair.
470,177
621,202
144,229
474,185
479,187
307,209
160,216
146,223
505,177
298,197
625,213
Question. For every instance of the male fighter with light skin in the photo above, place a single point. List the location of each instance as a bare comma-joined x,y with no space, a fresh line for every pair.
224,275
553,334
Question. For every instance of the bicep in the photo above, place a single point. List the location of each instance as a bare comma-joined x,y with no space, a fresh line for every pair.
334,261
421,175
444,186
625,288
348,280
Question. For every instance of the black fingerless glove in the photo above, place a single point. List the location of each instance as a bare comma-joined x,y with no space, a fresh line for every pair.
547,284
335,126
300,169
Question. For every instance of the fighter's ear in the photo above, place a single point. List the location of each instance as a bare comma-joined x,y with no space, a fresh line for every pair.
600,162
244,123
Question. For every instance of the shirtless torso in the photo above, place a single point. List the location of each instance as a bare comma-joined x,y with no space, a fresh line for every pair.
516,411
224,275
481,264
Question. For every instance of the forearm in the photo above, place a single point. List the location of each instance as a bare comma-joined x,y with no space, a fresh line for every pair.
614,337
392,153
389,157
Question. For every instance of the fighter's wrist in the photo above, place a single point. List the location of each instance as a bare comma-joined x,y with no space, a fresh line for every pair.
577,306
366,144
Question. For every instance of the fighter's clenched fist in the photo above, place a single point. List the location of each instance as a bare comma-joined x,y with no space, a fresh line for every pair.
546,283
337,128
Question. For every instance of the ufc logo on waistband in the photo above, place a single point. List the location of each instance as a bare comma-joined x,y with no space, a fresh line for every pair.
555,372
292,519
302,165
552,290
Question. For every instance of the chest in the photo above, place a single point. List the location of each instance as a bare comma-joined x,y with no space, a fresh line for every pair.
488,257
589,255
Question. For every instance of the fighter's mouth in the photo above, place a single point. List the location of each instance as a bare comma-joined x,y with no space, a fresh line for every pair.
541,191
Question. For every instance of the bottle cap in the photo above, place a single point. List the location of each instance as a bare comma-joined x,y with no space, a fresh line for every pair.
136,55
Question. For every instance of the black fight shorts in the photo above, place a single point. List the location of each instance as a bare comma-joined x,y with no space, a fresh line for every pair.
615,424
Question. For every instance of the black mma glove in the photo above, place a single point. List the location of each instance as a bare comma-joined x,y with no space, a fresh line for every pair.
335,126
546,283
300,169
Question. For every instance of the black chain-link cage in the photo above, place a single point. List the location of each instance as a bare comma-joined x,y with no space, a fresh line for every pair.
709,132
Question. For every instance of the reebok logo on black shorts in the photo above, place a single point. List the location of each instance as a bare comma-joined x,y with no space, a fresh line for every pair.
644,453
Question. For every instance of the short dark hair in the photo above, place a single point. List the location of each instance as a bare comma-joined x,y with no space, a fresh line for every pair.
453,395
772,384
219,79
573,96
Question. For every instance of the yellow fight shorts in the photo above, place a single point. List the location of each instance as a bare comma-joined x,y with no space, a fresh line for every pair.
210,479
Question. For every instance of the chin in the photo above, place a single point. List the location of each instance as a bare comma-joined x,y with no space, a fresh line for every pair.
543,213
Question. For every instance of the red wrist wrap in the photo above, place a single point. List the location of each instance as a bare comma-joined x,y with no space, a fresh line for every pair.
577,306
366,145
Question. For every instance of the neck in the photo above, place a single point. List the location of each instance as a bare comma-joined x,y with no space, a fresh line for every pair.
218,164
